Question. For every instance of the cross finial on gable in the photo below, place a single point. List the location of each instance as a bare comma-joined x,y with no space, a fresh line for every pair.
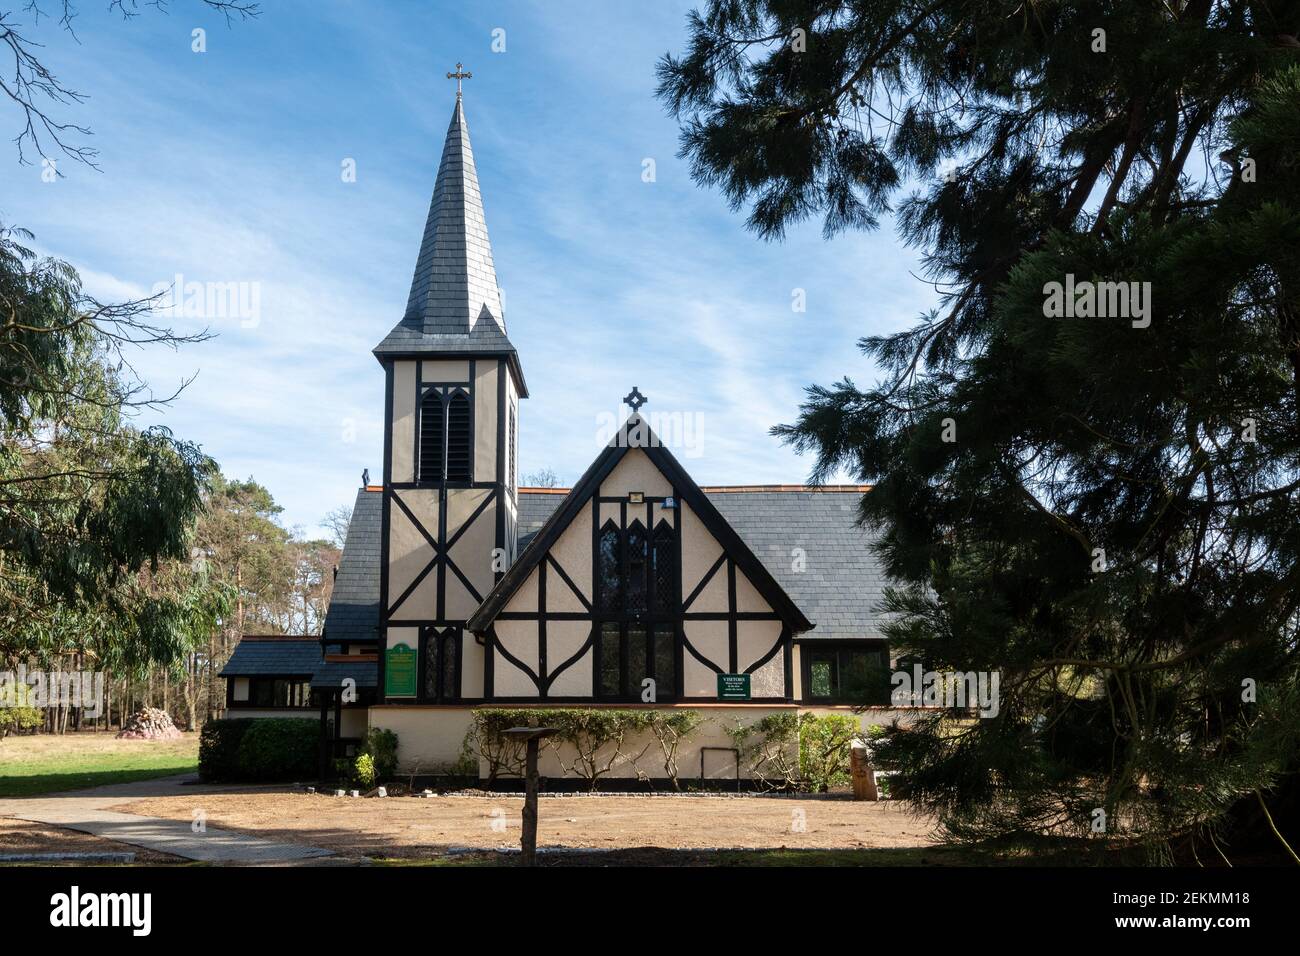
458,76
635,399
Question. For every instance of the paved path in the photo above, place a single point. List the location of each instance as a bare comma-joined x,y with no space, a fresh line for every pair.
88,811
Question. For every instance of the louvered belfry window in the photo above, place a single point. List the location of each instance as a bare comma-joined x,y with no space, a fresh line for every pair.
458,437
431,436
445,435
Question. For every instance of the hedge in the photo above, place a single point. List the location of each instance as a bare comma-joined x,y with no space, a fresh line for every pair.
219,748
283,748
259,750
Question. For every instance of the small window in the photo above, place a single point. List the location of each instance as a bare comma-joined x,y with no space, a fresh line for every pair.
853,673
824,675
448,665
441,653
280,693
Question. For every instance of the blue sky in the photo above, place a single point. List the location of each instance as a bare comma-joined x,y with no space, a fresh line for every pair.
224,166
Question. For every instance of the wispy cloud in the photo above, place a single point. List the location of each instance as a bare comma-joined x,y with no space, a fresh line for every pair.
225,167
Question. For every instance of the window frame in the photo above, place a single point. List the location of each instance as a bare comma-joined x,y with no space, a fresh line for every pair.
809,650
447,392
301,694
443,637
660,620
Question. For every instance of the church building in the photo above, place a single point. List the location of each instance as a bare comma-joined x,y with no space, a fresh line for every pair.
458,589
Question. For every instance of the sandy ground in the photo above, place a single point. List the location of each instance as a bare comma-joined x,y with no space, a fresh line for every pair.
20,836
409,827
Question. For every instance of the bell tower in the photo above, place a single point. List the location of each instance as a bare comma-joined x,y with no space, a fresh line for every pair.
453,384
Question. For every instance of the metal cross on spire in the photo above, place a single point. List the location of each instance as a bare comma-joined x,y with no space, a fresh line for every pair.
458,76
635,399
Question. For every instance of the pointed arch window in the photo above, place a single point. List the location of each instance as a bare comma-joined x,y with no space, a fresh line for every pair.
636,581
446,435
663,559
441,665
638,546
609,569
458,437
431,436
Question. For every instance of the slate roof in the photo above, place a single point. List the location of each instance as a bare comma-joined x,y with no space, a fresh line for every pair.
839,588
842,581
354,608
534,508
331,673
454,303
287,656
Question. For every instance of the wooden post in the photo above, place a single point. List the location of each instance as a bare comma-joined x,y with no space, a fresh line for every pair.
324,738
530,737
864,779
528,843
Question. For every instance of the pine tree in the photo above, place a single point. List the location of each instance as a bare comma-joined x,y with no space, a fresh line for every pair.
1094,495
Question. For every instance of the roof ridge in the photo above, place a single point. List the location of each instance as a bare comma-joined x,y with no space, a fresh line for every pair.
280,637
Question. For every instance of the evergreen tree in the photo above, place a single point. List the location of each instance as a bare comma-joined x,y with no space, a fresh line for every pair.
1100,504
96,515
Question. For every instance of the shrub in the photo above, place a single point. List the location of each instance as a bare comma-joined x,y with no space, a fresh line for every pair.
670,729
596,737
773,757
16,712
381,748
825,749
219,748
798,751
485,740
358,772
282,748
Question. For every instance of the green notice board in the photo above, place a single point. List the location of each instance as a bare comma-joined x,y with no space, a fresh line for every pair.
733,687
399,671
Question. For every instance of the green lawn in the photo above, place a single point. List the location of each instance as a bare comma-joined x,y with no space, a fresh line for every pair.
30,766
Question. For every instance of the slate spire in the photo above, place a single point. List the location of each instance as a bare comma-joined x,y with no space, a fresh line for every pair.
454,308
455,284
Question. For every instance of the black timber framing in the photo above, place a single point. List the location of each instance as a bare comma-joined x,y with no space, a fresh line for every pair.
502,401
537,557
510,357
387,494
441,543
588,486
